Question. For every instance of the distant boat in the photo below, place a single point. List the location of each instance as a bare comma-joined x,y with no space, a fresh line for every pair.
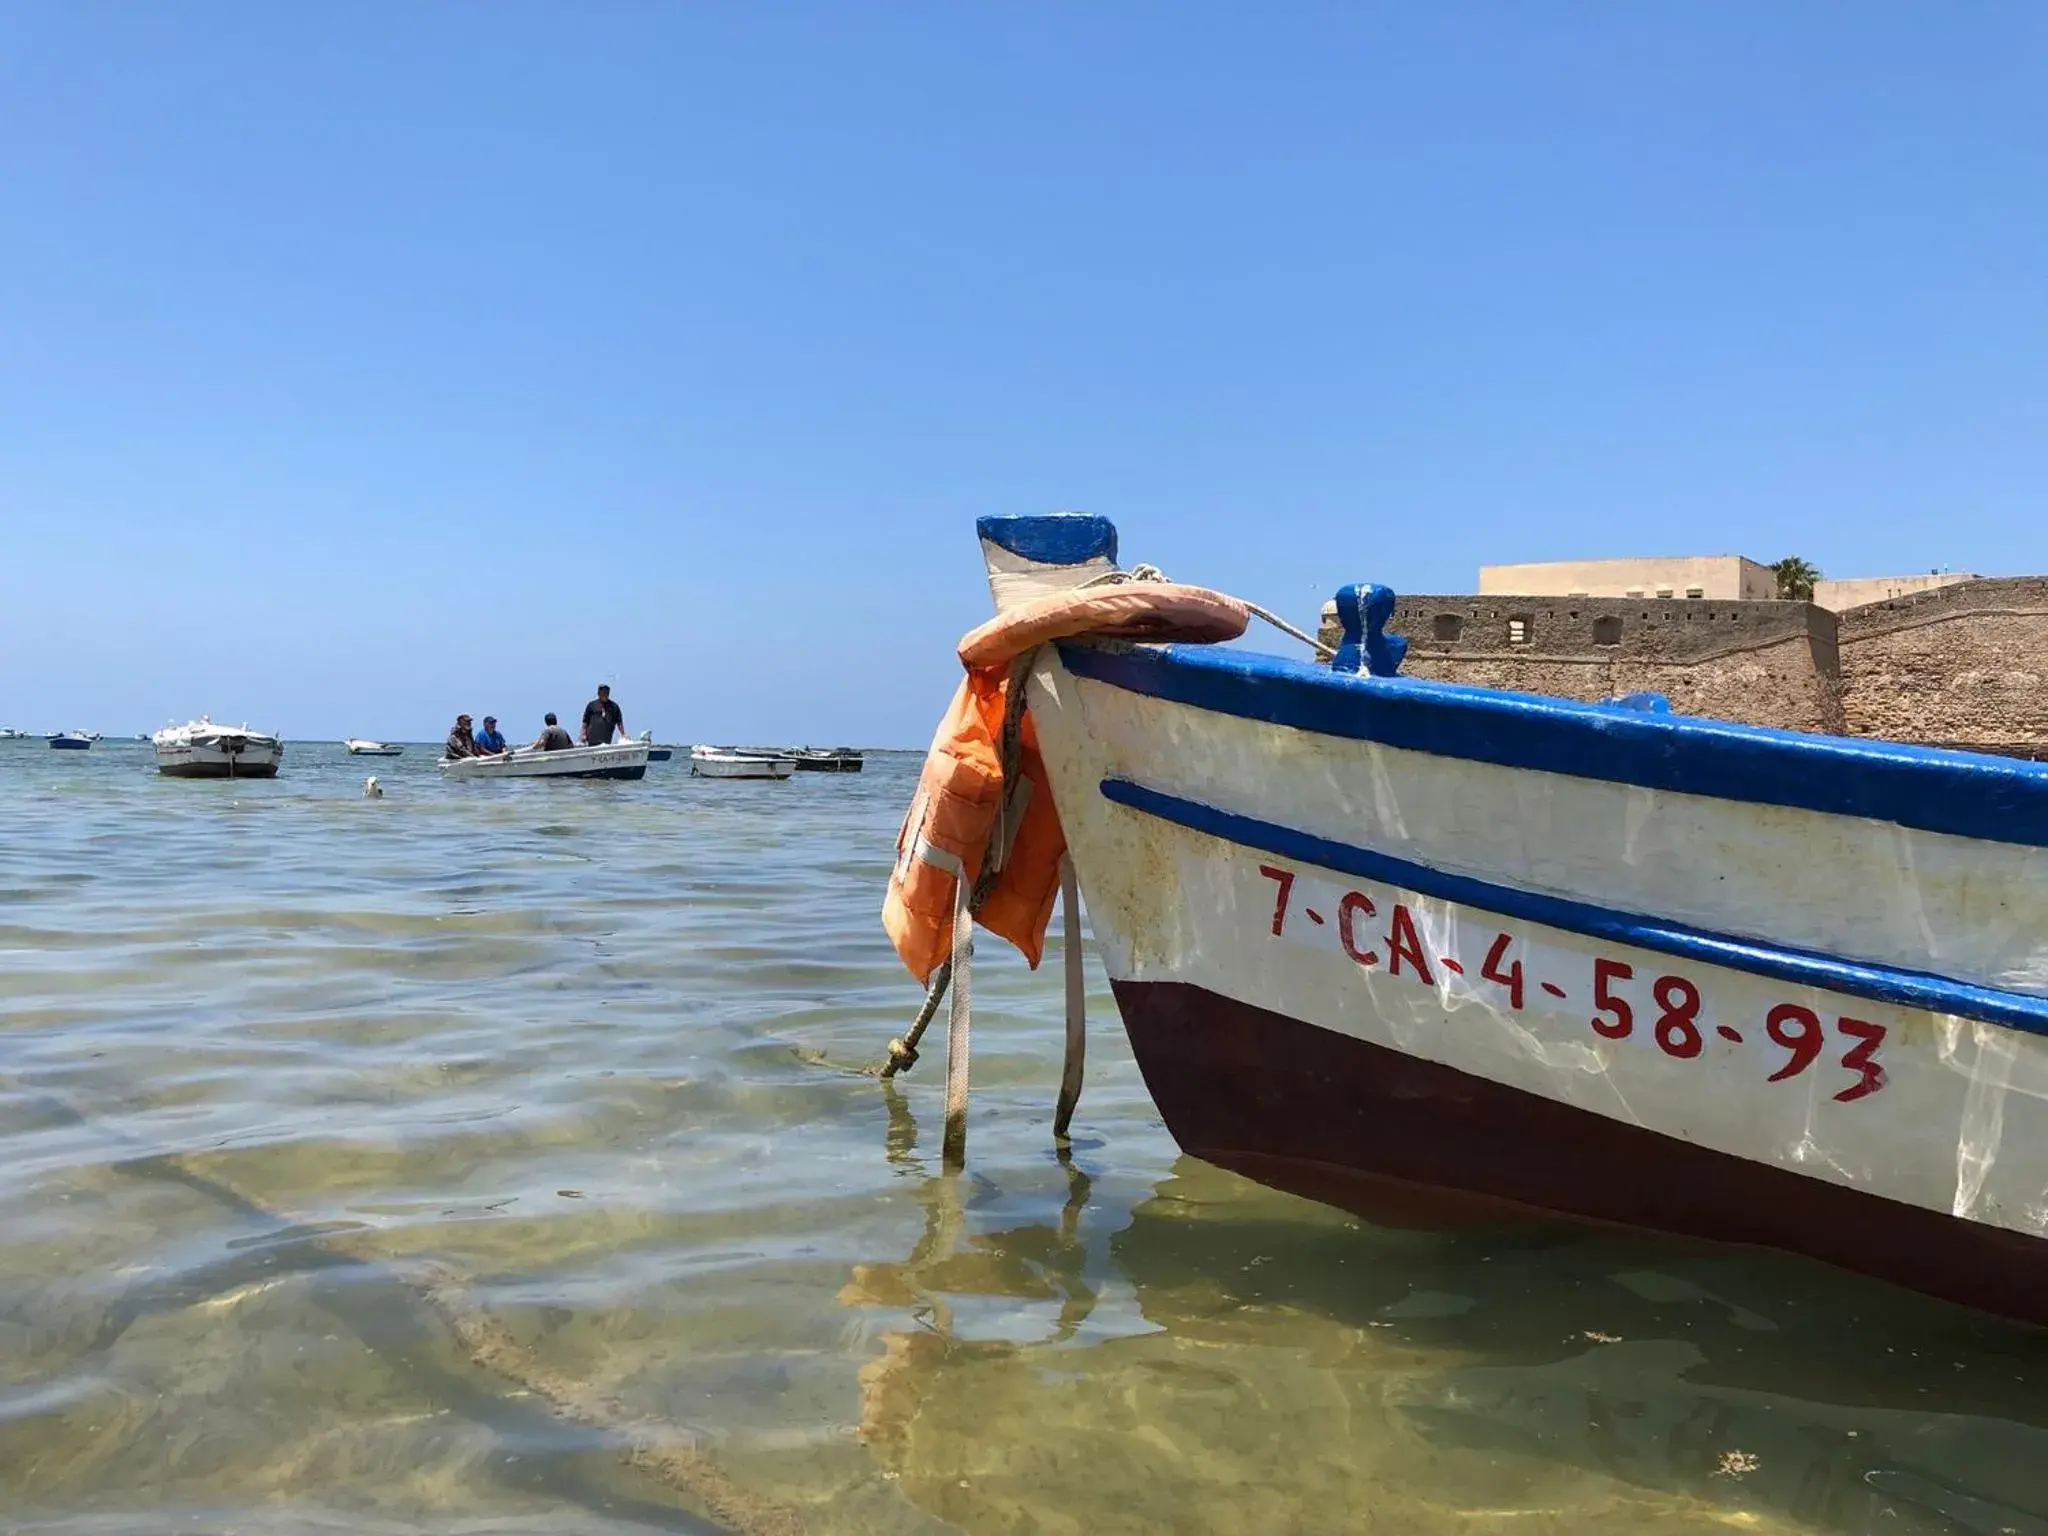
9,733
656,754
837,760
626,760
729,763
359,746
71,741
203,750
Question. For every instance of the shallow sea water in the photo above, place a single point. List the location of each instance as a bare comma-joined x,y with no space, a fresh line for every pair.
497,1158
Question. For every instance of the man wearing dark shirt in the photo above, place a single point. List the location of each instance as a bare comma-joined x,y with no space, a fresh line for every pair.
601,719
460,742
553,739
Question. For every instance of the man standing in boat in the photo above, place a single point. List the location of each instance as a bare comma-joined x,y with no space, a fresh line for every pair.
602,719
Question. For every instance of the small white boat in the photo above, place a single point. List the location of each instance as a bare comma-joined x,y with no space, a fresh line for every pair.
203,750
626,760
360,746
9,733
72,741
726,763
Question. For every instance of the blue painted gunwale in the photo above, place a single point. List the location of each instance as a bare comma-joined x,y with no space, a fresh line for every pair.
1999,800
1853,978
1054,538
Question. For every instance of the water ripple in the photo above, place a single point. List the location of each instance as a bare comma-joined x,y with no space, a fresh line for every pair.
496,1158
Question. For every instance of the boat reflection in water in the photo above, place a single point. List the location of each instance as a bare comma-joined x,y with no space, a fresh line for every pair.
1232,1360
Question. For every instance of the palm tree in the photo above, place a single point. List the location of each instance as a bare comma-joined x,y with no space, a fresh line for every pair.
1796,578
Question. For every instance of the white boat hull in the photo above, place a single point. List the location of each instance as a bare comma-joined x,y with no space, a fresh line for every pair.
738,765
360,748
1365,953
227,755
627,760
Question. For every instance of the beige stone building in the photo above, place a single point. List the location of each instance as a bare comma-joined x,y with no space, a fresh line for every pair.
1718,578
1721,578
1855,591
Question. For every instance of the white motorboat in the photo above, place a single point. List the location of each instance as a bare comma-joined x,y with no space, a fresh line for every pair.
625,760
203,750
360,746
9,733
727,763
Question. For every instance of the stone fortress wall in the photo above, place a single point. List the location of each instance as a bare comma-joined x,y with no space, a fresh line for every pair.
1960,664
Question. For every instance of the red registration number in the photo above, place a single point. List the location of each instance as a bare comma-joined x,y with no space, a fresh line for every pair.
1663,1007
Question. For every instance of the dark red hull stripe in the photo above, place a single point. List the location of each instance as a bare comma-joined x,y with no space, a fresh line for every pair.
1854,978
1370,1129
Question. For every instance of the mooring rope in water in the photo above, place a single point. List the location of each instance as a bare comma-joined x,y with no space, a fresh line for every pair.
657,1449
1077,999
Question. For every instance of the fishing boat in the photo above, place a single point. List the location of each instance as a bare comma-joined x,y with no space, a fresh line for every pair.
735,763
624,760
203,750
362,746
1434,953
71,741
835,760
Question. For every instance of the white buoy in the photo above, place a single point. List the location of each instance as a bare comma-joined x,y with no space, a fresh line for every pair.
372,790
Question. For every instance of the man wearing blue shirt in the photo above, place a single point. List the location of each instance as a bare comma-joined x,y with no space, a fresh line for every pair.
488,740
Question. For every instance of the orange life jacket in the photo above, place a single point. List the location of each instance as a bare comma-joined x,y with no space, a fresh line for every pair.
964,813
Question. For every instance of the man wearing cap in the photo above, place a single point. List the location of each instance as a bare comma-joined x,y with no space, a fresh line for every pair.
461,743
601,719
488,740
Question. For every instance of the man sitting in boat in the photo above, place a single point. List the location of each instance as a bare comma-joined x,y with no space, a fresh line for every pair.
461,741
488,741
602,719
553,739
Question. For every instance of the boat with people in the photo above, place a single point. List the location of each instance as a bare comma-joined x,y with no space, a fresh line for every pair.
9,733
71,741
739,763
200,749
1436,953
362,746
621,760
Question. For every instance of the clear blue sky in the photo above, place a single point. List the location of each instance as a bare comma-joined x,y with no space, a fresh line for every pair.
360,363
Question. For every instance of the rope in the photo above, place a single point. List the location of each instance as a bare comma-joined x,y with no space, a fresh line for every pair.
1153,573
1286,628
1077,1000
959,1026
